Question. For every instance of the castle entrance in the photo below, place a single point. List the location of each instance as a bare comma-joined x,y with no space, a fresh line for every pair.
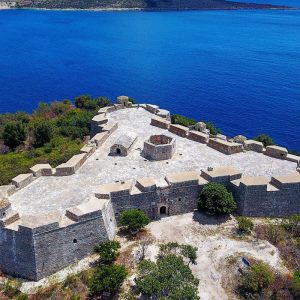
163,210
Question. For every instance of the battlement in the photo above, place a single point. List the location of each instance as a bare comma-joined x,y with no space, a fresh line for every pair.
50,222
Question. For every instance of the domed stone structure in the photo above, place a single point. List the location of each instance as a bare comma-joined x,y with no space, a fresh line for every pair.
159,147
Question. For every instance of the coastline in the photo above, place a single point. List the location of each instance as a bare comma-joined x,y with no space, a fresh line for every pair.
124,9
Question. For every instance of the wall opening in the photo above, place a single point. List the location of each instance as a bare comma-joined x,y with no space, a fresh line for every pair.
163,210
118,151
74,241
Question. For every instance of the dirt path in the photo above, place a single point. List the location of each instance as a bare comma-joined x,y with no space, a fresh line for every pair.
216,243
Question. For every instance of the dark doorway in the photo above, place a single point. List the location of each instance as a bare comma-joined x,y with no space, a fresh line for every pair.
118,151
163,210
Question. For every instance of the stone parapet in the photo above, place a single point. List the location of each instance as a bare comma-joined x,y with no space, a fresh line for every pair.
276,151
160,122
88,149
251,145
100,138
198,136
221,175
41,170
152,108
22,180
71,166
179,130
225,146
7,190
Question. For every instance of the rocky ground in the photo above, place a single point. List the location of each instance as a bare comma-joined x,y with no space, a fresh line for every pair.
220,251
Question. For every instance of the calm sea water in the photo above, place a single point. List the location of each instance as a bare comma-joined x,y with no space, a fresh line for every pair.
240,69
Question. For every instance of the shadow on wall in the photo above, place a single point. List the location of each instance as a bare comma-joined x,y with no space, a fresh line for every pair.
206,219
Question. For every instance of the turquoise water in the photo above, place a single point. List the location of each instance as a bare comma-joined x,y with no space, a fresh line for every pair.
240,69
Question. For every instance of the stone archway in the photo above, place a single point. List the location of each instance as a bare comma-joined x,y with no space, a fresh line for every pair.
163,210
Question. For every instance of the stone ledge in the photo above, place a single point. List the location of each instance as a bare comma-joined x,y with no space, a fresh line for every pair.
160,122
198,136
71,166
251,145
179,130
100,138
276,151
41,170
22,180
89,150
225,146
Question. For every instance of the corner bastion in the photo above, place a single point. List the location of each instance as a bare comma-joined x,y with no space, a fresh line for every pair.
53,217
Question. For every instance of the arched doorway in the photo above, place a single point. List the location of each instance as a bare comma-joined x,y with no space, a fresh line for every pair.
118,151
163,210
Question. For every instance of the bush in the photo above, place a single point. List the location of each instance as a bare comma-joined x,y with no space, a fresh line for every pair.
14,134
182,120
256,278
245,225
134,219
168,278
81,101
212,128
265,139
214,198
107,279
75,124
42,133
132,100
108,251
290,224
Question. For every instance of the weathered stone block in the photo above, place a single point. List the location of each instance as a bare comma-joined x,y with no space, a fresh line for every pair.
71,166
251,145
160,122
198,136
276,151
225,146
22,180
41,170
179,130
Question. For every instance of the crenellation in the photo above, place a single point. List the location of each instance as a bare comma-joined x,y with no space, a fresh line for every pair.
34,245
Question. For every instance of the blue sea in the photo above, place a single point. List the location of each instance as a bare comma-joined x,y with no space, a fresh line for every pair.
239,69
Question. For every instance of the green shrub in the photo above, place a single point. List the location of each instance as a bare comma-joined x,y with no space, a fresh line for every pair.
14,134
81,101
42,133
22,297
108,251
212,128
245,225
12,288
134,219
182,120
256,278
132,100
167,278
290,224
107,279
75,123
265,139
214,198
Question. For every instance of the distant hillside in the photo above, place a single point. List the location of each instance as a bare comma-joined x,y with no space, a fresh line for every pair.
141,4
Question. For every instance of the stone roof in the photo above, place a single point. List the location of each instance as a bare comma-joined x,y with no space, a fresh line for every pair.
126,140
182,177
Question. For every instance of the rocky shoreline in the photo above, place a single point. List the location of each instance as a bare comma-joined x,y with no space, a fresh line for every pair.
145,5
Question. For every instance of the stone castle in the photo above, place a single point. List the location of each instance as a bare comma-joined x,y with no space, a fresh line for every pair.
50,218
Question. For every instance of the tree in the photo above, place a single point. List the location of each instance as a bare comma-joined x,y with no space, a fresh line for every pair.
107,279
190,253
132,100
265,139
80,101
108,251
256,278
103,101
245,225
42,133
134,219
212,128
14,134
168,278
215,199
